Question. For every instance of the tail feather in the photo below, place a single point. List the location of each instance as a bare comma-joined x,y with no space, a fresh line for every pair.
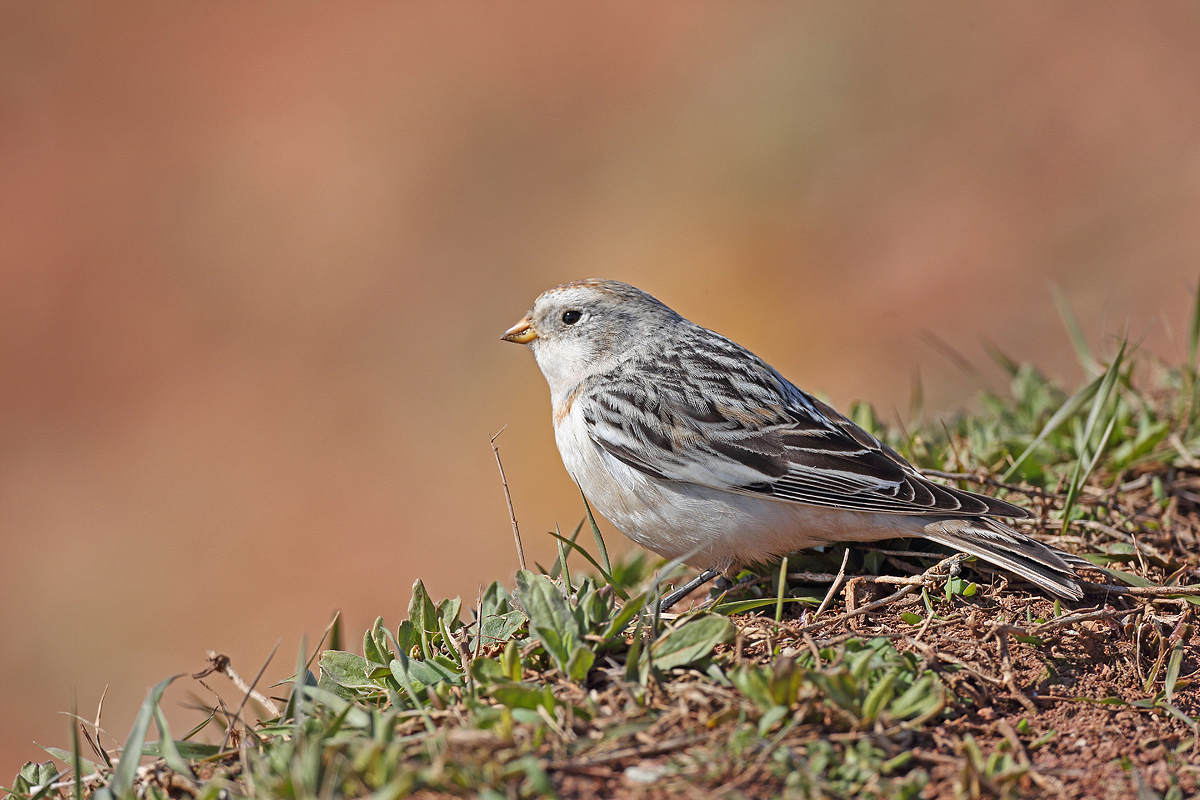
999,544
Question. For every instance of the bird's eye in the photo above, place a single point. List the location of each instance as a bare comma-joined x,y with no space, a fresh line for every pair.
571,317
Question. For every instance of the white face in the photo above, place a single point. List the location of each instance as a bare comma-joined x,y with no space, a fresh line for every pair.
581,328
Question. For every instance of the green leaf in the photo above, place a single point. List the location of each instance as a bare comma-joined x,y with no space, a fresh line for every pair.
633,659
880,695
401,674
448,612
375,644
580,663
347,669
781,589
495,600
423,615
1044,739
35,774
912,619
510,661
432,671
77,761
1127,578
769,718
487,671
1177,713
1108,558
754,683
406,637
923,696
592,607
559,567
523,695
550,618
785,680
426,673
497,630
691,641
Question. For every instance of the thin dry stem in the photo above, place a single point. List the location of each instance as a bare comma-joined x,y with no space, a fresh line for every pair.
512,515
833,587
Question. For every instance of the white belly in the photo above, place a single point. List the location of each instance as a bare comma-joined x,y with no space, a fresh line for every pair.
708,527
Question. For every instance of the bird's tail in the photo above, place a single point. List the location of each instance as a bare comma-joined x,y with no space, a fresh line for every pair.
999,544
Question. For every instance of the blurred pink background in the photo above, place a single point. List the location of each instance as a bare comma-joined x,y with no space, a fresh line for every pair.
256,261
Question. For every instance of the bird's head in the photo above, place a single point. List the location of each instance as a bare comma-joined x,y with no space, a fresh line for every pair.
587,326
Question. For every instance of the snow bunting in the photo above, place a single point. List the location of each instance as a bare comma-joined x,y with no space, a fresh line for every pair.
695,448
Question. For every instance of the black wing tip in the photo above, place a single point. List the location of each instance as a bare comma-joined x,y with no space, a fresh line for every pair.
993,541
1007,510
990,506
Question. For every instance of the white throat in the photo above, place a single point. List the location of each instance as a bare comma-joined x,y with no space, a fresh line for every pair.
563,369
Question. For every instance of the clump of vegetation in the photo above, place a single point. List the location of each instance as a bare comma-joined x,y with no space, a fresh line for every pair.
930,677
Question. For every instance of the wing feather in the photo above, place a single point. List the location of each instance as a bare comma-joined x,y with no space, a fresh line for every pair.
723,418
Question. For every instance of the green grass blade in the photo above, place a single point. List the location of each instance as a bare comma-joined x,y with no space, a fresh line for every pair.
624,616
562,554
201,726
1082,350
1109,383
782,590
916,400
1065,412
621,593
297,698
76,758
742,606
126,769
596,534
1080,477
557,566
167,749
1005,363
1173,667
1194,332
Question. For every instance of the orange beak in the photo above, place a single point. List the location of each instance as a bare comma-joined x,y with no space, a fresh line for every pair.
521,333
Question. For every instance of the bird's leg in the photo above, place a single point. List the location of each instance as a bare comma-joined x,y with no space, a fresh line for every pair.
689,587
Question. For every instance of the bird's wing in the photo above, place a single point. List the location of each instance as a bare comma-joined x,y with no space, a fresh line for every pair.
739,426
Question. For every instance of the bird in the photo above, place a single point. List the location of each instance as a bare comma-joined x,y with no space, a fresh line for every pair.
698,450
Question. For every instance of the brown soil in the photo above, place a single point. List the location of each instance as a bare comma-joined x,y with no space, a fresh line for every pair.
1096,751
